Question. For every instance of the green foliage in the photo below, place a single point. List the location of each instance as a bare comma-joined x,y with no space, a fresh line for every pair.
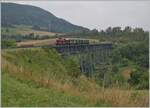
140,79
136,52
74,71
134,55
8,44
23,92
116,56
47,61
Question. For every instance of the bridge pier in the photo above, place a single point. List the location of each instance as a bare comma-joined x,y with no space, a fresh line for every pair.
89,55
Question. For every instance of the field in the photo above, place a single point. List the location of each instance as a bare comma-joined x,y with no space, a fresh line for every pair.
55,85
24,30
37,42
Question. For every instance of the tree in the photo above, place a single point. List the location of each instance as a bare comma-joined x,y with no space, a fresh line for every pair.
127,29
138,30
116,29
139,79
31,36
108,31
36,27
7,30
8,44
102,32
94,32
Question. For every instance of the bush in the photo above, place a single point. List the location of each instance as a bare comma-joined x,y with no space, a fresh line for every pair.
134,55
139,79
136,52
8,44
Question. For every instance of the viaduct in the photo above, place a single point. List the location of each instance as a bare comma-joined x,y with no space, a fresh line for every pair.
90,55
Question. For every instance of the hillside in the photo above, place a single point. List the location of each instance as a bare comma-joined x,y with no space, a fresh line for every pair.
32,60
23,31
35,17
41,77
46,86
21,93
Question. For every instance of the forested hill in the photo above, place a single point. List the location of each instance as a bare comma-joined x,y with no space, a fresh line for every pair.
17,14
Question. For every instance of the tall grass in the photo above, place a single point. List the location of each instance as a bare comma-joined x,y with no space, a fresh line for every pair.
54,74
21,93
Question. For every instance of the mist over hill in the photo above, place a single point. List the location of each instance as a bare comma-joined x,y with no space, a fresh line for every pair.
17,14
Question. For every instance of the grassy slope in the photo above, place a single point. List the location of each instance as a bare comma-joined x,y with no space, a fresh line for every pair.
21,88
39,62
24,66
21,93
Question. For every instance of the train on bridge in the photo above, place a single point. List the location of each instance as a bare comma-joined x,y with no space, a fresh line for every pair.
60,42
69,41
74,41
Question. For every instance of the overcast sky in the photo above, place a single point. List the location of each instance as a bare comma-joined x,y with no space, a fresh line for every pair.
99,14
